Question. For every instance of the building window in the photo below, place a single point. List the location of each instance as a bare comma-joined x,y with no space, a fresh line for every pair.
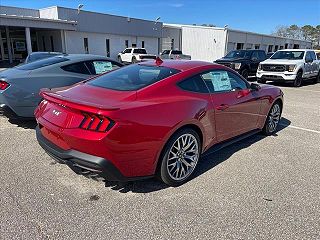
257,46
43,43
270,47
86,45
134,45
52,45
172,43
142,44
108,47
296,46
126,43
240,46
286,46
281,47
276,47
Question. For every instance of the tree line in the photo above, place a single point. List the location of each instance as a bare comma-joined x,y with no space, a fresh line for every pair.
306,32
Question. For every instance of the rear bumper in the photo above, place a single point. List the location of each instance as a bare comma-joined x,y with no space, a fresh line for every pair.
76,159
7,112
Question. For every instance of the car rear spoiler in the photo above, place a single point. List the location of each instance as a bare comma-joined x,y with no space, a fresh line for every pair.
52,96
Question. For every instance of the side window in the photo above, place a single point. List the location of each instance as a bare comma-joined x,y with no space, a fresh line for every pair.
308,57
313,55
100,66
223,81
128,50
77,68
194,84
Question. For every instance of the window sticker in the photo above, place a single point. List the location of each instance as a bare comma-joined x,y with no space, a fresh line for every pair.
221,81
102,67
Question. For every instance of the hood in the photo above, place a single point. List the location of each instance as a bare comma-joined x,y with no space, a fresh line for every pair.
281,61
231,59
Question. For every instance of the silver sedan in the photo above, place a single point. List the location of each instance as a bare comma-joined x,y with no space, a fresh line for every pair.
20,86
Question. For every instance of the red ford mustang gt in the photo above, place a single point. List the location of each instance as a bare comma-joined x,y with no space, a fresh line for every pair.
153,119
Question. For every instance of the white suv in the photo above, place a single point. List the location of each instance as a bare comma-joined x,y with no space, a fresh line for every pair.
294,65
134,55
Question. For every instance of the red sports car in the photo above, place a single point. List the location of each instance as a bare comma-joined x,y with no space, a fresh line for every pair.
153,118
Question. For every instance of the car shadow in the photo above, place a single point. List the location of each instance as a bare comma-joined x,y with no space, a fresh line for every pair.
24,123
289,84
205,164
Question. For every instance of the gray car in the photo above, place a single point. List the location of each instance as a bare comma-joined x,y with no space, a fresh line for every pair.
20,86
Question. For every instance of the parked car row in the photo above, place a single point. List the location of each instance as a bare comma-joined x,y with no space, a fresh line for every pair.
134,55
149,119
288,65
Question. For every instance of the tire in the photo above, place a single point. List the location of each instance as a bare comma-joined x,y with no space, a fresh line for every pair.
175,167
259,80
317,78
298,81
273,118
134,60
245,73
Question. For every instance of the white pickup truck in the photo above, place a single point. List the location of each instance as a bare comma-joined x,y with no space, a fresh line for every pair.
134,55
174,54
292,65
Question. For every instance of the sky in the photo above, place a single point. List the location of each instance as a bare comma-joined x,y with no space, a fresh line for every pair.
251,15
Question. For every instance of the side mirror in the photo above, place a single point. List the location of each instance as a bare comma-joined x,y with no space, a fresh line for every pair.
254,59
255,87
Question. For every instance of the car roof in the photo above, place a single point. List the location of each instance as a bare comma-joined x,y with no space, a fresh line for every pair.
181,65
39,53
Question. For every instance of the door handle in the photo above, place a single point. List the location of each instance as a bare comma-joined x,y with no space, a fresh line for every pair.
222,107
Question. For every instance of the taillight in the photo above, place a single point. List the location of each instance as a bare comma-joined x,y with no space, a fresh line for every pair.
4,85
96,123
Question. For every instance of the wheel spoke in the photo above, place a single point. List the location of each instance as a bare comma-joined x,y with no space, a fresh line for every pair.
183,157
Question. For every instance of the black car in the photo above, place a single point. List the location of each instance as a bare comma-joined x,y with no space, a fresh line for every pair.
243,61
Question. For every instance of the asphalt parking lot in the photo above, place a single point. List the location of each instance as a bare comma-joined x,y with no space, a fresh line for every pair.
260,188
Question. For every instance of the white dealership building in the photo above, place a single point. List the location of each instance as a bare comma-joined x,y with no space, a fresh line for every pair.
210,43
77,31
71,31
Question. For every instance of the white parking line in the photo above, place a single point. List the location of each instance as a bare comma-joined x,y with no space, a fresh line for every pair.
300,128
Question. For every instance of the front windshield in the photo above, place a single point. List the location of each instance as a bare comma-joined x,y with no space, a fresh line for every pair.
238,54
289,55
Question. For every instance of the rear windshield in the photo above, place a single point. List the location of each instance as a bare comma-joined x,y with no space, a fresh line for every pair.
38,56
132,77
42,63
289,55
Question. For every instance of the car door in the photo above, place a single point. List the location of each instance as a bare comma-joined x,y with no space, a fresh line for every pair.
236,107
254,62
126,56
308,65
314,64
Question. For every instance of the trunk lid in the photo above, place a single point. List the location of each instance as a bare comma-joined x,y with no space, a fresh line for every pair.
71,107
